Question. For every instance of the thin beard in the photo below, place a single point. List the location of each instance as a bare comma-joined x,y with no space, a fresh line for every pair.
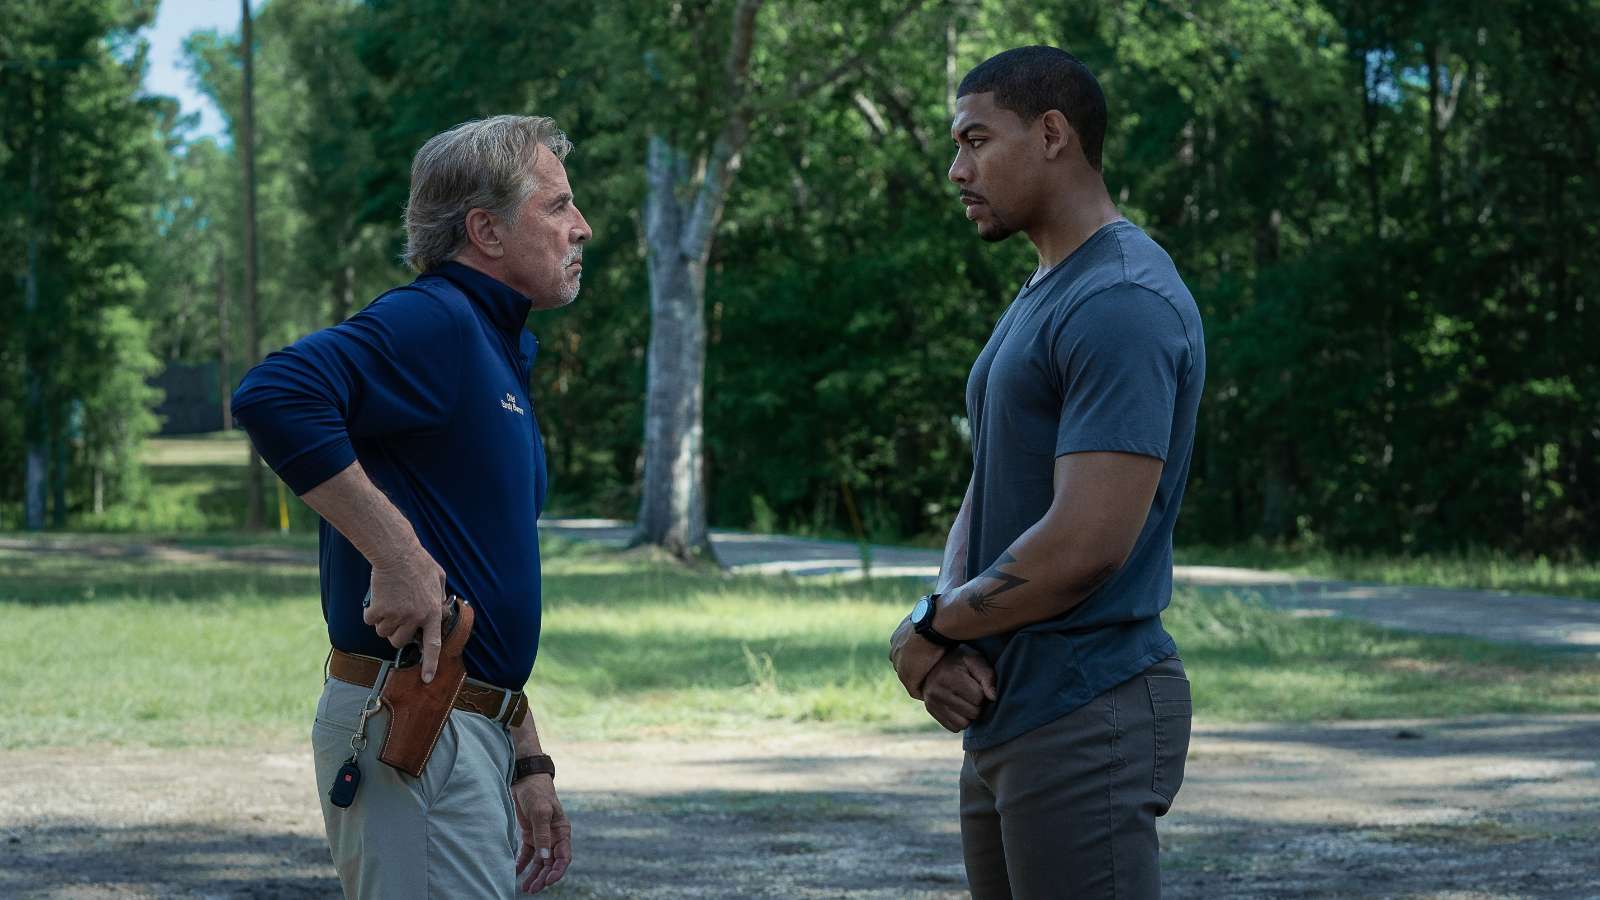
1005,229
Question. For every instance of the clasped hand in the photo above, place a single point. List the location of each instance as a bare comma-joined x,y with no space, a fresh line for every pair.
953,685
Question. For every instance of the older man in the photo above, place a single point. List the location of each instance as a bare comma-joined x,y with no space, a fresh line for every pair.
410,430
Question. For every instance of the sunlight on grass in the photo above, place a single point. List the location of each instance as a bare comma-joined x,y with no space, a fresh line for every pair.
221,448
144,651
1468,571
194,485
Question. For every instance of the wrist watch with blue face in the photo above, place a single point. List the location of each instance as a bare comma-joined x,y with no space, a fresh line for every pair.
922,621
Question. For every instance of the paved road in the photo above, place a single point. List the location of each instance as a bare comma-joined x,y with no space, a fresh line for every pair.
1491,615
1556,622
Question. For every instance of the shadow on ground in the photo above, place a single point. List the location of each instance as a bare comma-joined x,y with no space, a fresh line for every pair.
85,860
1480,807
1501,806
711,844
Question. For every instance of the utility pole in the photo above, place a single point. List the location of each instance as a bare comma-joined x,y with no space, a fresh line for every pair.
36,473
223,382
247,151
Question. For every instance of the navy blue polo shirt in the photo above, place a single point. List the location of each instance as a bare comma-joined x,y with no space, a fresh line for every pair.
1104,353
428,388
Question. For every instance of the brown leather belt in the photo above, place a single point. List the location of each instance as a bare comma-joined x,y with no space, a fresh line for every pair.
509,707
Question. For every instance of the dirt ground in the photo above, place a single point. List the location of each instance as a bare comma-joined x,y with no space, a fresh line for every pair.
1485,807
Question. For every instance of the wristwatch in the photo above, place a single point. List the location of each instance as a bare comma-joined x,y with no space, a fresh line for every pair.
922,621
533,765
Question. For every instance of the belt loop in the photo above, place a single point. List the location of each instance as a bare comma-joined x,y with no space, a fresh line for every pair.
505,701
327,663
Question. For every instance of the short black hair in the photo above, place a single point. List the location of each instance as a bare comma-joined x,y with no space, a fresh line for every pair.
1031,81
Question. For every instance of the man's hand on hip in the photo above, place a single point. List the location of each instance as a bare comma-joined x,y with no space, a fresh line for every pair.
958,687
546,834
408,597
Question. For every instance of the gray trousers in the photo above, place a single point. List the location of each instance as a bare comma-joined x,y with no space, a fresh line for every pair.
1069,810
451,833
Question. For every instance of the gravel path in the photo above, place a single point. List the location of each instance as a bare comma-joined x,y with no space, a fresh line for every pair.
1465,808
1484,807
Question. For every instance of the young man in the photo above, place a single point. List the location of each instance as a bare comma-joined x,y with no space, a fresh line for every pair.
409,429
1045,640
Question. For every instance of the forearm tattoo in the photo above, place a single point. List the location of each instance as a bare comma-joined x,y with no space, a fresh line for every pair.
984,601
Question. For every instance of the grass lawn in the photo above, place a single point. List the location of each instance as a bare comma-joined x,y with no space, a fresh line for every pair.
196,492
141,650
197,486
1483,570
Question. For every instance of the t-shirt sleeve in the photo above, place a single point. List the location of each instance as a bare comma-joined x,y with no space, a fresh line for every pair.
391,369
1119,357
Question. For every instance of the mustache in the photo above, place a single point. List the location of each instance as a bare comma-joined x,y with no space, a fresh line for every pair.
573,255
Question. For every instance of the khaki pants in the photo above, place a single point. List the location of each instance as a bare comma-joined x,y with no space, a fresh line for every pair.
1069,809
451,833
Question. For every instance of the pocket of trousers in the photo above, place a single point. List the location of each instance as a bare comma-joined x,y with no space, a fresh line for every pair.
441,765
1173,712
330,747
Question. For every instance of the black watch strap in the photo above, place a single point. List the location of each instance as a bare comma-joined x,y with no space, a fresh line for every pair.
533,765
925,626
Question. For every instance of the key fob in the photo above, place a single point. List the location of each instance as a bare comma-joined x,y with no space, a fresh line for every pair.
345,782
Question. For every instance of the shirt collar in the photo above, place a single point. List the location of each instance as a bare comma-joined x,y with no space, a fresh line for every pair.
503,304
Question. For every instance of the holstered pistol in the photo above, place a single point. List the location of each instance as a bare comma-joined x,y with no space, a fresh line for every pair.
418,711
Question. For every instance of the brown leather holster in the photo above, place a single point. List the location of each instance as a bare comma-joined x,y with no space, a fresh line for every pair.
417,711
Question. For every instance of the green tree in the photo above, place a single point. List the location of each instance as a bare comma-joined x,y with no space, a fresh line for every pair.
1381,209
79,145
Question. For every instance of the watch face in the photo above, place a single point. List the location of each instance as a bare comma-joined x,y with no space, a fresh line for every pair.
920,611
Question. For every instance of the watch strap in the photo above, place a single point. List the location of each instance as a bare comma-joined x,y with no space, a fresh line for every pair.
925,627
540,764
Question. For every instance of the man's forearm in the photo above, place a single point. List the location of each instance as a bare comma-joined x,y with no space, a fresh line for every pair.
953,568
1102,501
1037,578
525,737
951,571
354,505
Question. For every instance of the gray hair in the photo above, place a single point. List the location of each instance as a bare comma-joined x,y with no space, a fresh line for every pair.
481,164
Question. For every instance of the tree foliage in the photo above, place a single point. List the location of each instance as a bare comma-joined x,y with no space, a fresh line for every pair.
1384,210
78,146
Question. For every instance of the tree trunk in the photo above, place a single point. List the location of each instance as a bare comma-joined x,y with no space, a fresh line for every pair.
1277,497
678,236
672,502
36,473
345,300
1278,484
224,381
252,347
1435,141
1370,75
951,46
672,507
58,475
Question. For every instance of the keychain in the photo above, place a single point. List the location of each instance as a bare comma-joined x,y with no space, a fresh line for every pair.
348,778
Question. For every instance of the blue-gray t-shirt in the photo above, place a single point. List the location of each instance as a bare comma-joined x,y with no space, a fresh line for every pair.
1102,353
